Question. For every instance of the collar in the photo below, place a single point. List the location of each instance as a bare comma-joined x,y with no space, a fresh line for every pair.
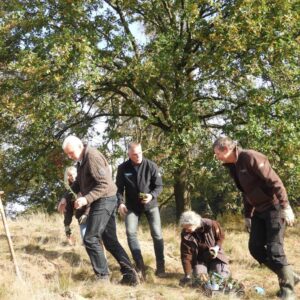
238,151
134,165
83,159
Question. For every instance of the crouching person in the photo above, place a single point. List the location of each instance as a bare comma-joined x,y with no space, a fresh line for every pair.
201,248
66,206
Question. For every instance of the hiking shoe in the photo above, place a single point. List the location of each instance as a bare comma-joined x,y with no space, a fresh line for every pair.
160,274
160,271
185,281
130,280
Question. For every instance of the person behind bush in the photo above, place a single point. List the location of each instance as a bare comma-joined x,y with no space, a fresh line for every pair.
201,247
80,214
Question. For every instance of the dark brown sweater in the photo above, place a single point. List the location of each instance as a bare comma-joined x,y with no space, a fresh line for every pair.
261,186
195,246
94,178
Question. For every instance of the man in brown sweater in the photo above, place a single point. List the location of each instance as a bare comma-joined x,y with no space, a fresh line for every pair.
267,208
94,182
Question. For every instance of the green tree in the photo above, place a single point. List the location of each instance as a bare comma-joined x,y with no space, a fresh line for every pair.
190,69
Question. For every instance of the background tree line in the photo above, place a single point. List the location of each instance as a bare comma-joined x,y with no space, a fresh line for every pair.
173,74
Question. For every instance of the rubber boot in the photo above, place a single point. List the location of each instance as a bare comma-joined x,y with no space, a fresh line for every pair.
296,281
286,283
295,275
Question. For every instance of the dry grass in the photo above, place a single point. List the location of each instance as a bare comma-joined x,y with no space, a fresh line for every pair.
52,270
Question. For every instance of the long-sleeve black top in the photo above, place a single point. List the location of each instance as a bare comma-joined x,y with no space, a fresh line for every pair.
146,178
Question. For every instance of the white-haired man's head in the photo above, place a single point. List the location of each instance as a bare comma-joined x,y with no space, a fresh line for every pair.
73,147
189,221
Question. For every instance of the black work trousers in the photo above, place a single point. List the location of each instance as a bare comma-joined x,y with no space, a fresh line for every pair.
266,238
101,230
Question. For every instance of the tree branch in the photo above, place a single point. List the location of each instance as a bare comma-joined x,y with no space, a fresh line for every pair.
118,9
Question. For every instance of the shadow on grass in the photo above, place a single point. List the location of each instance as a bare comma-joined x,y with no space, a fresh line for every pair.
83,275
72,258
45,239
3,237
172,275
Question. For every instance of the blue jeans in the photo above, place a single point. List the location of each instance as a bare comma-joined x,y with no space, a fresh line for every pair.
82,228
101,230
153,217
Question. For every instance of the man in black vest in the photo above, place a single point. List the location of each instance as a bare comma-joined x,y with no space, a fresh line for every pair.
141,180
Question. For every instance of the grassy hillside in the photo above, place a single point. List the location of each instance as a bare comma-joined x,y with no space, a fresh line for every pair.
51,269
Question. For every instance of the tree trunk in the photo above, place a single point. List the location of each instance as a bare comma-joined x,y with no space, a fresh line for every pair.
182,195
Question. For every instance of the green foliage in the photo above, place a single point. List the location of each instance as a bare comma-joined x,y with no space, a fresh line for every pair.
171,74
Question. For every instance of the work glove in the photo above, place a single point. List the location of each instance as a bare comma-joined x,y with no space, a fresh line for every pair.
288,215
214,251
68,231
185,280
248,224
82,219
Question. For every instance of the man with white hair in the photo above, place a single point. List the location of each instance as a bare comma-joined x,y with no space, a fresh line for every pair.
201,247
94,182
